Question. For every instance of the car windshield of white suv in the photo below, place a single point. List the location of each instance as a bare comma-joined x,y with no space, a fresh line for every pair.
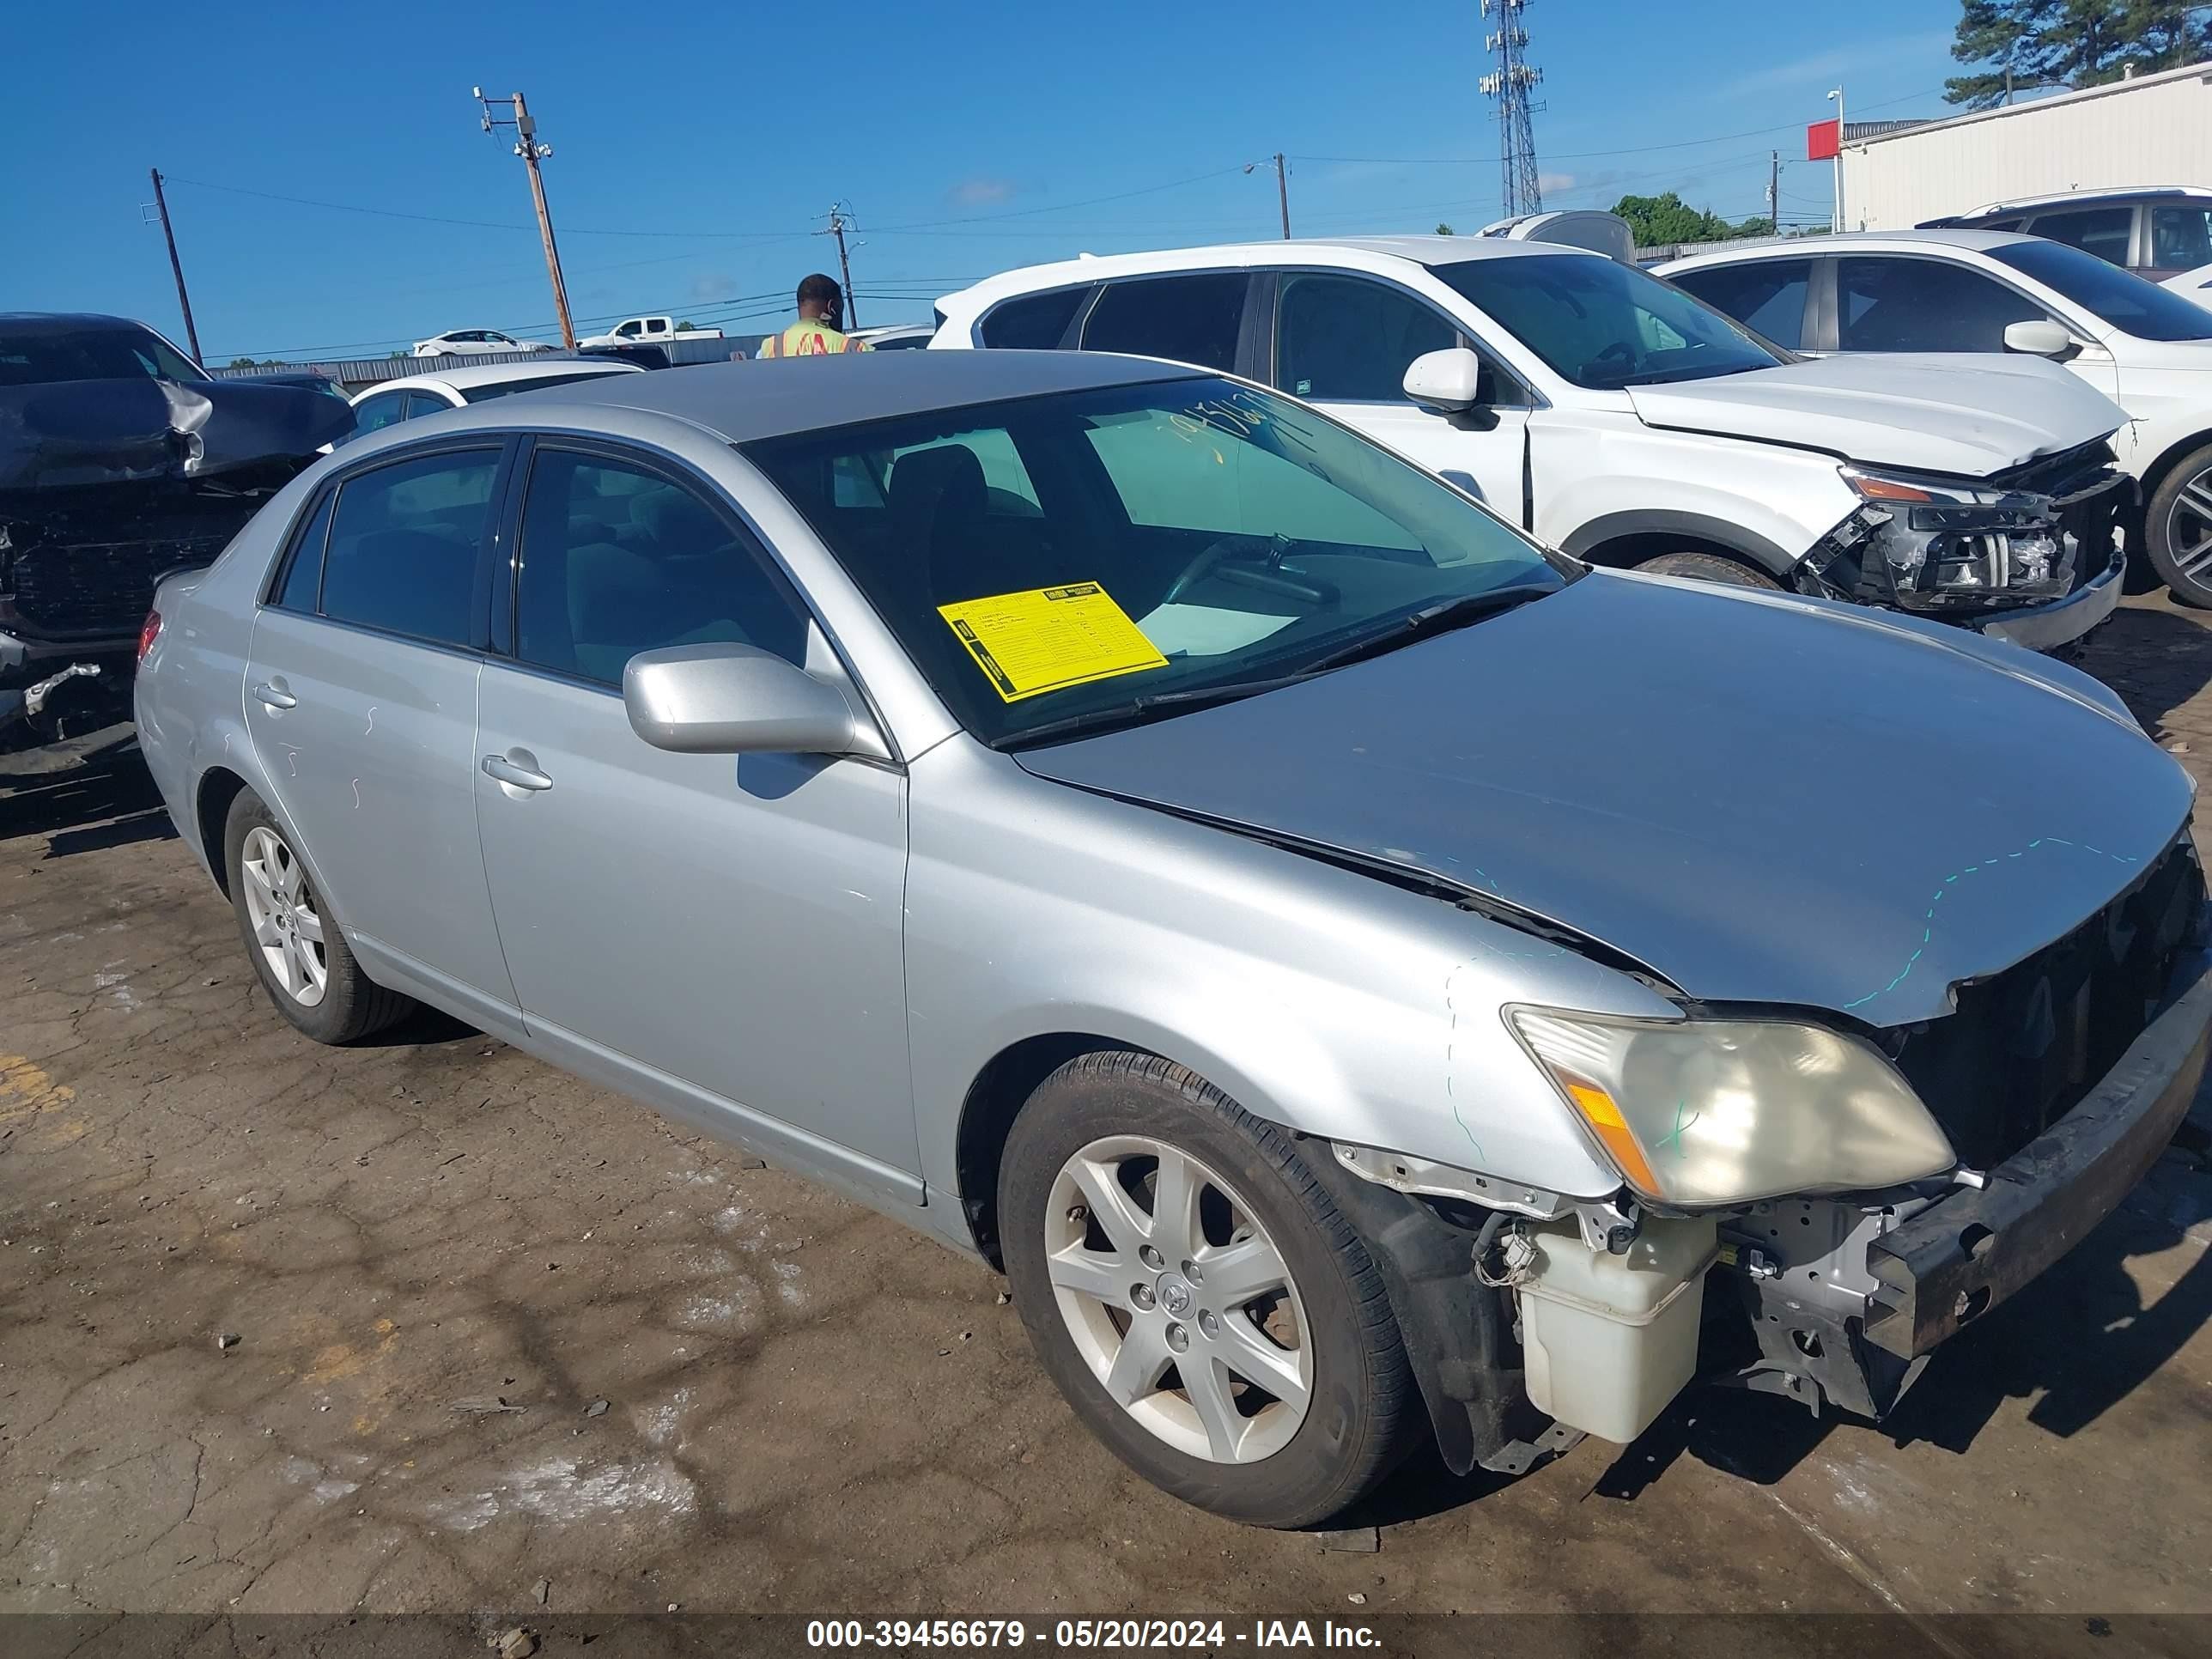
1603,325
1068,564
2120,297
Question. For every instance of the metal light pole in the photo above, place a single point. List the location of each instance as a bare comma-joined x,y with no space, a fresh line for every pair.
1837,223
531,152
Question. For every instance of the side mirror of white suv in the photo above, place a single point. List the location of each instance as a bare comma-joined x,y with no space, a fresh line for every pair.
1448,381
2038,338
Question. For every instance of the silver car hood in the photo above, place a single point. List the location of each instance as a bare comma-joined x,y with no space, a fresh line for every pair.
1763,799
1963,416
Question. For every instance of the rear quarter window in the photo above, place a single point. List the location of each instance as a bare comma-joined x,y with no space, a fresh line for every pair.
1037,322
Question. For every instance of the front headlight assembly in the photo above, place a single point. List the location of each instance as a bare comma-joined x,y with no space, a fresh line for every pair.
1726,1111
1949,543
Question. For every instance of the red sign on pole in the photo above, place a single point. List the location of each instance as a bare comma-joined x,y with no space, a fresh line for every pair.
1823,139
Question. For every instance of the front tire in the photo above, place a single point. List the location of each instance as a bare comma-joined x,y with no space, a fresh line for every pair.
2177,527
1711,568
1205,1308
297,951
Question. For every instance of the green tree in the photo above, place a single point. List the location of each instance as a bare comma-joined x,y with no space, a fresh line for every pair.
2015,44
1667,220
687,326
1444,229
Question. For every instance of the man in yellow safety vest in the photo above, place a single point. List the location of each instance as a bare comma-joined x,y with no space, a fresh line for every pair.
819,331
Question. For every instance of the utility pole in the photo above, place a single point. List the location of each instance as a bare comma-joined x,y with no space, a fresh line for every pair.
1838,223
1282,186
1521,190
840,222
531,152
1774,190
176,266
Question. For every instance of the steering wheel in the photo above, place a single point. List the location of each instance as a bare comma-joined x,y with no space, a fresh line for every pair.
1259,568
1619,351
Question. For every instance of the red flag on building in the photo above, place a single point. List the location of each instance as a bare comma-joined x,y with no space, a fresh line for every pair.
1823,139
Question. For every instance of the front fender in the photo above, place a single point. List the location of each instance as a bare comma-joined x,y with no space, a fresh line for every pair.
1332,1003
1609,477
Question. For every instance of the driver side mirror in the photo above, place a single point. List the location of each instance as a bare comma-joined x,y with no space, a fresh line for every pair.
1448,381
726,699
2041,338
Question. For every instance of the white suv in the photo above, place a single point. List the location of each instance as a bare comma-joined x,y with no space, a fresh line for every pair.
1962,291
1628,424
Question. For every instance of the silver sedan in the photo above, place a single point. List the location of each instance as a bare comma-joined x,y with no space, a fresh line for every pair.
1362,975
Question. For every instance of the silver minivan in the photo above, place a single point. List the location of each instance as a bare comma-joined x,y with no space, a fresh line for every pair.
1363,975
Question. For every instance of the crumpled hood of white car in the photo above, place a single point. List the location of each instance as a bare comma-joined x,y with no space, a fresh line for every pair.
1962,415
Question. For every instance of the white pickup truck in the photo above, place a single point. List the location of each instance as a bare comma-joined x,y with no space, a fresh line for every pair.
1622,421
648,330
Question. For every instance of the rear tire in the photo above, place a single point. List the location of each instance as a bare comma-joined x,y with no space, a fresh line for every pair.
295,947
1711,568
2177,527
1304,1400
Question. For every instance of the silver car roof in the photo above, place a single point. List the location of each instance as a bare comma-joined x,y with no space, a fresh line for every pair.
745,401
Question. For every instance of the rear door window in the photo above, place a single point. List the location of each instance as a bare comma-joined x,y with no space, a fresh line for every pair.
1186,319
1766,296
420,403
404,544
1348,339
1925,305
2107,232
1036,323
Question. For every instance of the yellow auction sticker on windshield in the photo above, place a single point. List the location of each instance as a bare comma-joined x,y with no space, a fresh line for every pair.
1050,638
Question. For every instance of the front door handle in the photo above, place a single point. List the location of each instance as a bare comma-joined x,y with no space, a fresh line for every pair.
521,777
275,697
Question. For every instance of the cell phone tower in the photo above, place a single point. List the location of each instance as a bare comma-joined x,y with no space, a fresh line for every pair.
1508,83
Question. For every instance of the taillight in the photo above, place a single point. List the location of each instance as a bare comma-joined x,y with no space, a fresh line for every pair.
149,631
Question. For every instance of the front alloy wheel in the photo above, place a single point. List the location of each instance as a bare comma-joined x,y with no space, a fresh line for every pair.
1178,1300
280,907
1193,1289
2178,526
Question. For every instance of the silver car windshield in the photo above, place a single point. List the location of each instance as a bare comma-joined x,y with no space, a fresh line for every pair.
1072,562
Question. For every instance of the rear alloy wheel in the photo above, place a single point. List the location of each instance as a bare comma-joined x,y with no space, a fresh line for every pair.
1205,1307
1711,568
298,952
2177,527
280,910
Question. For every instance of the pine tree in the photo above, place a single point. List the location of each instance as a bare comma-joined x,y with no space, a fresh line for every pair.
2016,44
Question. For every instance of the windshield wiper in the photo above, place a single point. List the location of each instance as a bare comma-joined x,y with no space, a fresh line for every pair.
1439,618
1137,710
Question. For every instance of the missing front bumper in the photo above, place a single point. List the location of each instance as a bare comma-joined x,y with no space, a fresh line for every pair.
1971,1250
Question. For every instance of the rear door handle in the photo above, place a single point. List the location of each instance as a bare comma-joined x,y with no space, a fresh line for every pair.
275,697
521,777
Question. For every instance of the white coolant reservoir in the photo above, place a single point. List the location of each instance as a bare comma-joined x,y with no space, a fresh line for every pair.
1611,1339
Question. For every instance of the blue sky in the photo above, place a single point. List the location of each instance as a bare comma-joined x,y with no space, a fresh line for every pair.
696,147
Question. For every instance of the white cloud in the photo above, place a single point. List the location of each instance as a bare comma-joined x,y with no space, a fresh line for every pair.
981,192
1555,181
1826,66
714,285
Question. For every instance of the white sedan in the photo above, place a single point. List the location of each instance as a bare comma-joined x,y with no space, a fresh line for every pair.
435,390
473,342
